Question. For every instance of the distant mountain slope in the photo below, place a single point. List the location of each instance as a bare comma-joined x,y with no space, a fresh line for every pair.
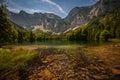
48,21
82,15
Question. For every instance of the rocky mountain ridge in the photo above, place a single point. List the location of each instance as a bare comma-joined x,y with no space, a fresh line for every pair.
47,21
76,17
81,15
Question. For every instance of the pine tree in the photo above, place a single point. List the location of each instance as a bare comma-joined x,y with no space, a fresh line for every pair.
32,37
7,31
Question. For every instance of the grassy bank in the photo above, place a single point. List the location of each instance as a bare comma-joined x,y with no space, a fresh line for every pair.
13,61
114,40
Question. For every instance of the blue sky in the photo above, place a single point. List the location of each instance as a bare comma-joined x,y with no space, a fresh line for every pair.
58,7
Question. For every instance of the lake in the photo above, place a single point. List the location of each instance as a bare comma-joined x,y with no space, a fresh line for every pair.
66,43
65,60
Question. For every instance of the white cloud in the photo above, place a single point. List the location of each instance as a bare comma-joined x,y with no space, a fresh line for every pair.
36,10
94,0
55,4
31,11
18,8
13,9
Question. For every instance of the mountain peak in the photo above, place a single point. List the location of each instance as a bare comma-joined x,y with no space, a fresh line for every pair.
81,15
22,12
51,15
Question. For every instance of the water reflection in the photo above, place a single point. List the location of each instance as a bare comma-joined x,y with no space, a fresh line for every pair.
65,43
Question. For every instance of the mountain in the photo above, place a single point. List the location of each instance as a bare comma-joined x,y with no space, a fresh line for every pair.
102,25
81,15
51,22
47,21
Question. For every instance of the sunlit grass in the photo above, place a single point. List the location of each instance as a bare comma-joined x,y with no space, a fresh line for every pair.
14,60
18,58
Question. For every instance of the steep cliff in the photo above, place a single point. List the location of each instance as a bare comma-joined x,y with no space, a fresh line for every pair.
82,15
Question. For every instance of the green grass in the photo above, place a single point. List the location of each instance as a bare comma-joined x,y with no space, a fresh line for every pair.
114,40
14,60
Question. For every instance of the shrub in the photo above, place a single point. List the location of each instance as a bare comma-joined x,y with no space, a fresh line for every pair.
104,35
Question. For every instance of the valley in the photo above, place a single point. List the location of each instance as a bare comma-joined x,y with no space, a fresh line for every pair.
84,45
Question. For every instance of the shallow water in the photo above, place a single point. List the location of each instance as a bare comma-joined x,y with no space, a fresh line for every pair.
76,61
65,43
65,60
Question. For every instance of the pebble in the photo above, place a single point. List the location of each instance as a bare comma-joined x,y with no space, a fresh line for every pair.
101,77
116,71
59,67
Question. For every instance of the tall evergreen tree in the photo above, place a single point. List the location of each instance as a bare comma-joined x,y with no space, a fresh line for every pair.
32,37
7,31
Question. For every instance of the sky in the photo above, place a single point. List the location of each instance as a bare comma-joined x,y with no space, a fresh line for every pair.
58,7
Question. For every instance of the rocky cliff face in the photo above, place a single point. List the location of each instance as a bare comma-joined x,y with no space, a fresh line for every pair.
78,16
82,15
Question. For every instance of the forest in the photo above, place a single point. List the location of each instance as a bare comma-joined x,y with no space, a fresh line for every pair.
104,27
